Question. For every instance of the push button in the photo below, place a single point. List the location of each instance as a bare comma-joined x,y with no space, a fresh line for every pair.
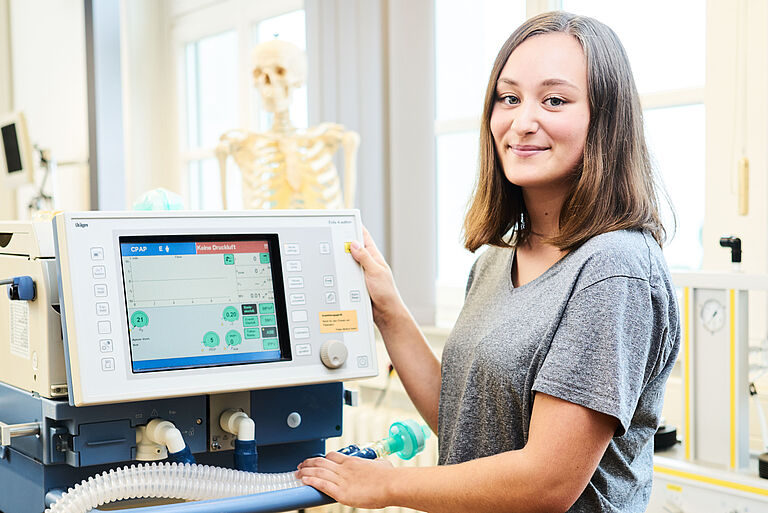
330,297
105,327
97,253
99,272
299,316
292,248
102,308
293,266
303,349
295,282
302,332
325,248
354,296
328,280
108,364
105,345
100,290
298,299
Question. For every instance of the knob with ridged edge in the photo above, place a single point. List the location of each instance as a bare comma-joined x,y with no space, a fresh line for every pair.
333,353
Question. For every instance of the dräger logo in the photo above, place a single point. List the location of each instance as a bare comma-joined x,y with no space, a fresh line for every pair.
81,225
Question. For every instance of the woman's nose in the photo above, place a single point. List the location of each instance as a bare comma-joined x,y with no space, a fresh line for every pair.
525,119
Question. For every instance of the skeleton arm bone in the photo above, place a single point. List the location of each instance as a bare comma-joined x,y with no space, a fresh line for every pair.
230,143
222,152
350,142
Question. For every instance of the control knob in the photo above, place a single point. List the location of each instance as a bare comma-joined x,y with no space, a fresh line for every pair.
333,353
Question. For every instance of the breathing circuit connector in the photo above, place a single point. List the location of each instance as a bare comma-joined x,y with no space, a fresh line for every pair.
241,425
164,434
406,439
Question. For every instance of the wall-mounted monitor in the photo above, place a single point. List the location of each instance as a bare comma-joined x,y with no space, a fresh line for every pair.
16,158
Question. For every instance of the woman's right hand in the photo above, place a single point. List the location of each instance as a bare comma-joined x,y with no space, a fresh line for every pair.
385,298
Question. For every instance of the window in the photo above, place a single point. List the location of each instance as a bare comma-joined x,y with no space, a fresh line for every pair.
463,65
216,93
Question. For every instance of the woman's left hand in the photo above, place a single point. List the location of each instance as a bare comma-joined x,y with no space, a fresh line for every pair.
353,481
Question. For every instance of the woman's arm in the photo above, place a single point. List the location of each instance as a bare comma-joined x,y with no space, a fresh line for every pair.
565,445
413,359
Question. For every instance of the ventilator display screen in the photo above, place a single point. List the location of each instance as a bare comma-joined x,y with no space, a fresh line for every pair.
201,301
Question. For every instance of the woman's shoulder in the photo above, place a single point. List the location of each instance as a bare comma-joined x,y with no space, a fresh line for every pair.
627,253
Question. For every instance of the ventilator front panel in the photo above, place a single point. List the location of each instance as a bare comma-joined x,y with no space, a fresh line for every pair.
182,303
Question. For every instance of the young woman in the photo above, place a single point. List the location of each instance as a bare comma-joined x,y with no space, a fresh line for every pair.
551,384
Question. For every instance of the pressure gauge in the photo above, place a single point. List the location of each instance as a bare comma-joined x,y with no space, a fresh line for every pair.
713,315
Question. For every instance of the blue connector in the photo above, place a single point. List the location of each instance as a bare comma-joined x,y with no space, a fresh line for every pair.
246,456
183,456
20,288
365,452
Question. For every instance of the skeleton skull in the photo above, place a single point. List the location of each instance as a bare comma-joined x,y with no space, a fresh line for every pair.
278,68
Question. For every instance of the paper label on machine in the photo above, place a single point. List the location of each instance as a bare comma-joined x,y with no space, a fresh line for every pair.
19,311
338,321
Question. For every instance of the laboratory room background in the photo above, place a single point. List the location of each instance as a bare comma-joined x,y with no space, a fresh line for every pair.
390,255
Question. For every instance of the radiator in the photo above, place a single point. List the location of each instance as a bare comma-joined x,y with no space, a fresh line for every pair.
364,424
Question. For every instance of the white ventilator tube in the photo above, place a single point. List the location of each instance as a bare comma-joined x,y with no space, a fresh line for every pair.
168,480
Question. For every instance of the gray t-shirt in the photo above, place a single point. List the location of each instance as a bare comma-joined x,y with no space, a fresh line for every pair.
599,329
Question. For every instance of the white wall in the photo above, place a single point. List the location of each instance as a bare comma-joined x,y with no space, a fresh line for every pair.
48,70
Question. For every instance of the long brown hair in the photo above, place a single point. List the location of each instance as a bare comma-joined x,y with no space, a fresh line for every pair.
614,186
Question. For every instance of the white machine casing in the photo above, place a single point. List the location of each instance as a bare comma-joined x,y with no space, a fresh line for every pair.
31,352
326,301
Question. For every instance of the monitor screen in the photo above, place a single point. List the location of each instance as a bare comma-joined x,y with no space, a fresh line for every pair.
11,147
200,301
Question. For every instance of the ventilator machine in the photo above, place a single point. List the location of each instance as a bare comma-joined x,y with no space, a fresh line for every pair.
181,355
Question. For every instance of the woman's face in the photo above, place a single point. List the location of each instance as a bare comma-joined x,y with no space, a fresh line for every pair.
540,116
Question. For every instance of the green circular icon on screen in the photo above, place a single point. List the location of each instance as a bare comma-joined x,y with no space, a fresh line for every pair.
139,319
231,314
233,338
211,339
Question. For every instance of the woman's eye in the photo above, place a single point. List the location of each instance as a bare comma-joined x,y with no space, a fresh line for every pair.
509,99
555,101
